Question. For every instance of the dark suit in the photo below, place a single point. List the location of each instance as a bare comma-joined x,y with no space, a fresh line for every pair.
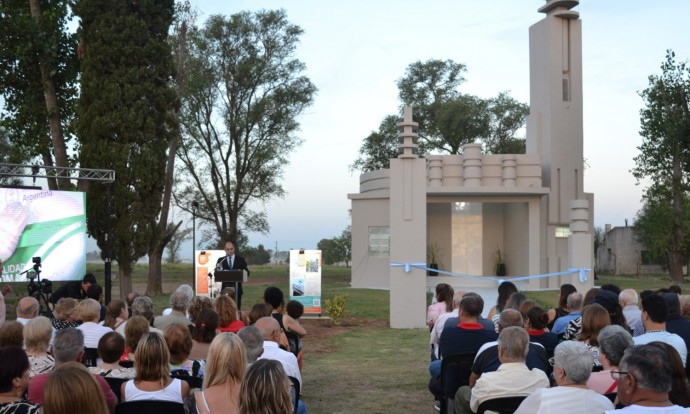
238,263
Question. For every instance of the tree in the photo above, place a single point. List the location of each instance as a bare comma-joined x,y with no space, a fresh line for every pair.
379,147
508,117
38,75
242,97
328,254
344,246
175,244
126,121
664,156
257,255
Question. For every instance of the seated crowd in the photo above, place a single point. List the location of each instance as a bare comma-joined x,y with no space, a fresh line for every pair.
204,355
601,352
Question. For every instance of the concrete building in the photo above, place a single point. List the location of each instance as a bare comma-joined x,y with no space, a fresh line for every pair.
621,252
530,206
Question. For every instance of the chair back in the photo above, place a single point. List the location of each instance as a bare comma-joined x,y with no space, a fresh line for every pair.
296,389
116,385
455,372
90,358
149,407
504,405
194,382
127,364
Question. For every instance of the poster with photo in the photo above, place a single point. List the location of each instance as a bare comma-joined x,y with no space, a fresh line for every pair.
305,279
204,266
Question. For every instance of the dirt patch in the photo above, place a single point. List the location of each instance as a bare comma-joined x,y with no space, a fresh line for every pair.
320,330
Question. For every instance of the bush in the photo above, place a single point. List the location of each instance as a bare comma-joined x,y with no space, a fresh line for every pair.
336,308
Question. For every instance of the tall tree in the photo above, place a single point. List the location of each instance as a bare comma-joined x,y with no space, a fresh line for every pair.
126,120
664,156
38,75
243,95
508,117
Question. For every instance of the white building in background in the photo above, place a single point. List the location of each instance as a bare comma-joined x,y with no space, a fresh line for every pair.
530,206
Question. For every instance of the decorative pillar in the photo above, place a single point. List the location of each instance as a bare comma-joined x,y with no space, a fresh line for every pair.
472,164
509,171
580,250
435,170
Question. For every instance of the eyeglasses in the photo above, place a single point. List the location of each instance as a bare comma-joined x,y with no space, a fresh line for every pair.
616,375
552,361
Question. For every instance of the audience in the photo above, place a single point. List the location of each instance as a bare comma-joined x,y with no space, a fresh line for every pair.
265,389
609,300
572,367
14,379
295,310
613,341
536,323
505,289
111,346
72,389
437,330
95,292
12,334
512,379
258,311
274,297
198,304
644,381
187,290
141,306
179,342
203,334
680,389
116,314
562,308
227,314
89,311
444,303
225,369
137,327
65,314
37,335
253,342
27,309
574,308
594,319
654,315
180,301
68,347
270,330
675,323
152,380
628,300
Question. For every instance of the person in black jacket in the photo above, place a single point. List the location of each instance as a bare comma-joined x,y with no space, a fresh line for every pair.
75,289
233,262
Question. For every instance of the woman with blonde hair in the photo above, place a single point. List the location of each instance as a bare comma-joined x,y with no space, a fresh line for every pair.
227,315
136,327
90,313
115,314
72,389
265,389
594,318
37,334
152,380
225,369
65,314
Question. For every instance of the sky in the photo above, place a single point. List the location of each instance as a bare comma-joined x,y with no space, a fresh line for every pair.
355,51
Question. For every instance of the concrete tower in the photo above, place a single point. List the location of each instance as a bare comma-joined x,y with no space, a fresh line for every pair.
554,126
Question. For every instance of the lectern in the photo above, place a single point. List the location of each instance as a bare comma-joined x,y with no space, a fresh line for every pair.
230,278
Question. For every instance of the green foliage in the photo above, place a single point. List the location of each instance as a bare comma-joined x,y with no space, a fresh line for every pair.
338,249
447,118
26,45
335,308
126,105
664,158
173,247
256,255
241,98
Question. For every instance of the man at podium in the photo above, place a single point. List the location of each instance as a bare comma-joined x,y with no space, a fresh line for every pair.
231,261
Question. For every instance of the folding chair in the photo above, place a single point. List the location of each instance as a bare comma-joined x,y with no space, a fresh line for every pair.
503,405
296,388
455,372
90,358
115,385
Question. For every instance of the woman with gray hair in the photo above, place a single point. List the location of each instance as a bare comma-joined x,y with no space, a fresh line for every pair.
572,365
613,341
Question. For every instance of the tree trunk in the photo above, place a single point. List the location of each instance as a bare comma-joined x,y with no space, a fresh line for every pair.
676,253
59,147
48,162
125,274
155,280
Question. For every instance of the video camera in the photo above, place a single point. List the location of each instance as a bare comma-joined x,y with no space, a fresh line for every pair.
36,285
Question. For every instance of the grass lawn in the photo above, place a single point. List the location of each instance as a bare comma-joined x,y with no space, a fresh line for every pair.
361,366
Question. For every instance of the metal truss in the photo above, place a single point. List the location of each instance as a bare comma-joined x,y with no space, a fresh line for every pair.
34,171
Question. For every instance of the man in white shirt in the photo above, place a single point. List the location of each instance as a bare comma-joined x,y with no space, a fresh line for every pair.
27,309
512,379
270,330
654,315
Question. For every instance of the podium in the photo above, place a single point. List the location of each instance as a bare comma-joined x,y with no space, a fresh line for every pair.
230,278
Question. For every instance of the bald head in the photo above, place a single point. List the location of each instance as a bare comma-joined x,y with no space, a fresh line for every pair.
27,308
269,328
508,318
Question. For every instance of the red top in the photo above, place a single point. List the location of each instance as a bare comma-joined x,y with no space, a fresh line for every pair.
470,325
234,326
537,332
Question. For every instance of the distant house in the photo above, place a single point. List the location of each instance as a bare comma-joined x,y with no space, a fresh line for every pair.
621,252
